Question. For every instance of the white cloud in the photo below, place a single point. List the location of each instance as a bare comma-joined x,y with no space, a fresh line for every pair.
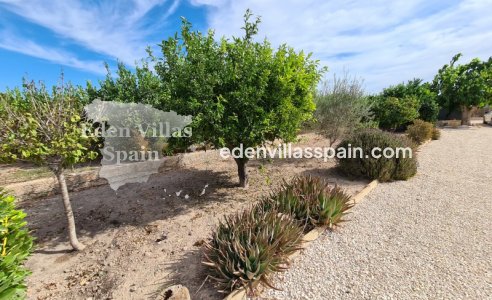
31,48
385,42
112,28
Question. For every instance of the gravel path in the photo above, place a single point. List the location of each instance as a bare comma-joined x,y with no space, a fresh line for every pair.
426,238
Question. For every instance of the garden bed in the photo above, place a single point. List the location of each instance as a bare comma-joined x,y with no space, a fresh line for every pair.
146,237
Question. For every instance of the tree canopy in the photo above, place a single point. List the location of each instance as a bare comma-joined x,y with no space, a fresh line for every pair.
238,90
45,128
464,86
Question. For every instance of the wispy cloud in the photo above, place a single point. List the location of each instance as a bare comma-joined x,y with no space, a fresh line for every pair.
55,55
385,42
116,29
393,40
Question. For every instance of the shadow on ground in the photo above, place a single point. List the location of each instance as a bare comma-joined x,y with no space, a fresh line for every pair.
102,208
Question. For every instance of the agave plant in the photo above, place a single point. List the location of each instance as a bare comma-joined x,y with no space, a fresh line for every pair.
310,200
248,247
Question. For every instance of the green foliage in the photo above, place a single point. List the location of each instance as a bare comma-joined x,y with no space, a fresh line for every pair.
382,168
239,90
311,201
392,113
413,88
436,133
248,247
141,86
15,246
464,86
46,128
420,131
342,108
428,109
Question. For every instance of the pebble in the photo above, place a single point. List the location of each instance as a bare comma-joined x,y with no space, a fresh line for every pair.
425,238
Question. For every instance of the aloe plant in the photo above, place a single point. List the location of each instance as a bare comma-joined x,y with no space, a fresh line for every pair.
310,200
248,247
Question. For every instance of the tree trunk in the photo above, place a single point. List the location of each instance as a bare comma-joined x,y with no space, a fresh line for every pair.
466,115
242,172
72,234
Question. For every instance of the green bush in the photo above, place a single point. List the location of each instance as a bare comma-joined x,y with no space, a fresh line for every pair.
15,246
436,133
382,168
422,91
393,113
429,109
248,247
420,131
310,200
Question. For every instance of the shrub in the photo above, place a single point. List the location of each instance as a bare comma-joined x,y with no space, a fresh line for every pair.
383,169
342,108
429,109
247,247
420,131
393,113
311,201
436,133
15,245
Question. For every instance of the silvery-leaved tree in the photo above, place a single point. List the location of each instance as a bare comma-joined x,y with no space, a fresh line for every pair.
464,87
239,91
342,108
45,127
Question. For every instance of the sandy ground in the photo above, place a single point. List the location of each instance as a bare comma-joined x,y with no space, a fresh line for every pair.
426,238
146,237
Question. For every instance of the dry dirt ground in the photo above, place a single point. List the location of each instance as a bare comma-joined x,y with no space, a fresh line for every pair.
146,237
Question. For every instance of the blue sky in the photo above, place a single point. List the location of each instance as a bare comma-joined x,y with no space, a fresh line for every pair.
384,42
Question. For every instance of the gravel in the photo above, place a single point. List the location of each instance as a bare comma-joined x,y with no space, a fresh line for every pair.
426,238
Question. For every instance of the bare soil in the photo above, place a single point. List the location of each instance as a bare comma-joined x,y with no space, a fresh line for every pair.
146,237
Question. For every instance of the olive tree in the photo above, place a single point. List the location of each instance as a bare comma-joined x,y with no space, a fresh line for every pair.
464,87
239,91
45,128
342,108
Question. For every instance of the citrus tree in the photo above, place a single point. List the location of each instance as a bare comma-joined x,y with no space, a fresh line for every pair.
464,87
45,127
393,113
239,91
141,86
417,88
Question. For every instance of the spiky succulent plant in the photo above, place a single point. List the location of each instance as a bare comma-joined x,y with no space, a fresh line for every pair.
310,200
248,247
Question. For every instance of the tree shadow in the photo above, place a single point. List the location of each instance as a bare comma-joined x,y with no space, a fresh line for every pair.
190,272
163,196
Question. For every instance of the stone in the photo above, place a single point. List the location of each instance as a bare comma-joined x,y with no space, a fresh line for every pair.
176,292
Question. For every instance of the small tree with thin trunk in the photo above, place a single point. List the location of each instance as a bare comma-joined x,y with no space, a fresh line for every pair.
239,91
465,87
342,108
45,128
